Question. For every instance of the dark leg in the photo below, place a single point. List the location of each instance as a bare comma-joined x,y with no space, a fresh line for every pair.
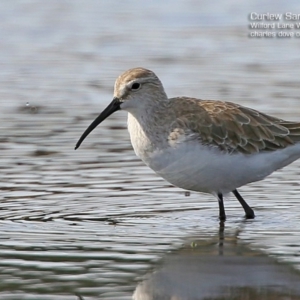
248,210
222,214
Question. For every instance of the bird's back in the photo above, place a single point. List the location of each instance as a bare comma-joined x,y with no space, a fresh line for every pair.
232,127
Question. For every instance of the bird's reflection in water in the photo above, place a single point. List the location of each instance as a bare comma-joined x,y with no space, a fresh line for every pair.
219,268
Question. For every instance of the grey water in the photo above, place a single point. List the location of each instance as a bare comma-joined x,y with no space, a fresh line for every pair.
96,223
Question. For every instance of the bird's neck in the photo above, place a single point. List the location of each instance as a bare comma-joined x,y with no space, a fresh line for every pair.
147,131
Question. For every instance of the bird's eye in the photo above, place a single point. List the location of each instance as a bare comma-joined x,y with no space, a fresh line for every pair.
135,86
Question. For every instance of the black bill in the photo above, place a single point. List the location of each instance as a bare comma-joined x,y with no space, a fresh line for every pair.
111,108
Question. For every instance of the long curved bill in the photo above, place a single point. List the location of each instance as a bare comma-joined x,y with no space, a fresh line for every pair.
111,108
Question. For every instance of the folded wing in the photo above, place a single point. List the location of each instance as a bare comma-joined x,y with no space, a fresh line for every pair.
234,128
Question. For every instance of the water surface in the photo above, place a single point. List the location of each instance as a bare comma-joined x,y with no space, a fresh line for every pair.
98,223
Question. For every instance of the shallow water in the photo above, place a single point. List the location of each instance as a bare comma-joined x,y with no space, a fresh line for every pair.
96,223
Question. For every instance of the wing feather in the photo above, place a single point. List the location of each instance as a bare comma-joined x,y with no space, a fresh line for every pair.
233,128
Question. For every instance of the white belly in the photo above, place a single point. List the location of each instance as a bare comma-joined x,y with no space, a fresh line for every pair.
193,166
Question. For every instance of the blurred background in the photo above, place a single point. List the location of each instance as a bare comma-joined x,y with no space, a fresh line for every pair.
96,223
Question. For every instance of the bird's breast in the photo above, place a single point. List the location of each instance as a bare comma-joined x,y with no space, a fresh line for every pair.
151,138
140,140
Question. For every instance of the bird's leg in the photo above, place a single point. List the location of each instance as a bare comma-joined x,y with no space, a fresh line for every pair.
248,210
222,214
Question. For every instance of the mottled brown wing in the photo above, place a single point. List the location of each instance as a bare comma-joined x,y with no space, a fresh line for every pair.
234,128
